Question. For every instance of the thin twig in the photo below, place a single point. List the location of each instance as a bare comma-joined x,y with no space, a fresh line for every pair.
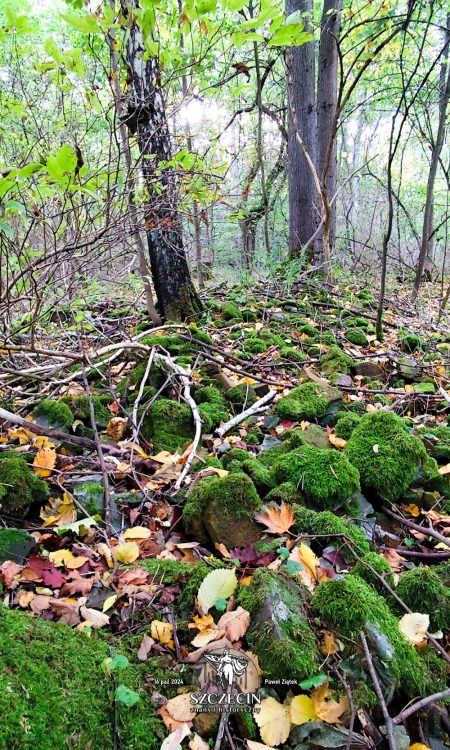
376,684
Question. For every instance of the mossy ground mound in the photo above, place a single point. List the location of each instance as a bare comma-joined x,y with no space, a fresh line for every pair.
309,401
422,590
168,425
19,487
55,694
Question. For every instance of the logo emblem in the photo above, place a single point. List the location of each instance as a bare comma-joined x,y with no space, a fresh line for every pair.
229,680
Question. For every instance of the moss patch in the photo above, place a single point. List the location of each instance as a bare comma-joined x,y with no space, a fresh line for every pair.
308,401
19,487
331,530
422,590
54,413
168,425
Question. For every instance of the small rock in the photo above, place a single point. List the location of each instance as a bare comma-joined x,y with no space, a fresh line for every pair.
15,545
370,370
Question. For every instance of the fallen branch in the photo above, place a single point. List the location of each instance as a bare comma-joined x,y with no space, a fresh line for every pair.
417,527
403,715
389,724
256,408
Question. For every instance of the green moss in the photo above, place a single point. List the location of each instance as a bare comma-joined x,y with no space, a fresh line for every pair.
208,461
55,414
308,401
168,425
254,436
357,322
80,408
255,346
324,477
167,571
309,330
331,531
289,352
173,344
19,487
230,311
240,395
356,336
335,360
279,633
62,698
284,493
388,470
200,335
437,442
348,604
238,460
345,425
424,388
209,394
422,590
248,315
380,565
363,696
408,341
212,415
91,496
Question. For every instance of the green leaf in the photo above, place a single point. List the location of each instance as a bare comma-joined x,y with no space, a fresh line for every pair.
85,24
61,163
6,229
114,662
290,36
313,682
292,566
221,605
239,37
219,584
126,696
78,527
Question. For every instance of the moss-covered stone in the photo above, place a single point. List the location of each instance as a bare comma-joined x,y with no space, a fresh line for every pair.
209,394
346,424
311,435
241,395
15,545
386,455
437,442
309,401
230,311
168,425
356,336
79,406
408,341
19,488
286,492
335,360
422,590
349,605
225,509
309,330
239,460
279,633
62,697
380,565
290,352
212,415
330,530
55,414
324,477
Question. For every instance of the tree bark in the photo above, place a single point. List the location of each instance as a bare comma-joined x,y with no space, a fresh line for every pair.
427,228
301,117
146,118
327,74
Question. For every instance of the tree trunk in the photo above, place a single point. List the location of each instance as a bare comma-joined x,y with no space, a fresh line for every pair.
131,180
326,161
435,155
301,118
146,117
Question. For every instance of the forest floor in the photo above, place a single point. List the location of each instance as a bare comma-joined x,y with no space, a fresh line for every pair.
271,480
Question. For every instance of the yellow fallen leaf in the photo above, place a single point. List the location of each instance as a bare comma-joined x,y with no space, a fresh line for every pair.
105,551
42,441
414,626
44,462
418,746
126,553
202,623
337,441
65,557
137,532
116,428
444,469
220,472
21,434
412,509
274,721
329,644
443,545
109,602
329,711
252,745
302,710
162,632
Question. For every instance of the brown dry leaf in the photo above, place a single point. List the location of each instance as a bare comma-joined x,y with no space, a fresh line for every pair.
274,721
252,745
130,446
277,518
172,723
329,643
162,632
214,470
9,570
328,711
116,428
145,647
59,511
179,708
234,625
444,469
44,462
25,598
40,603
394,559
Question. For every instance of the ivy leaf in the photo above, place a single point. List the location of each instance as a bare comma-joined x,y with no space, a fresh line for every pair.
126,696
218,585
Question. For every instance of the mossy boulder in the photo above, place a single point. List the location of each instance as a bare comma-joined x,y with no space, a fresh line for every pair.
19,488
212,414
15,545
437,442
79,406
335,360
369,563
349,605
230,311
209,394
346,424
386,455
238,460
62,696
242,395
222,510
408,341
279,632
52,413
356,336
309,401
324,478
331,531
168,425
311,435
422,590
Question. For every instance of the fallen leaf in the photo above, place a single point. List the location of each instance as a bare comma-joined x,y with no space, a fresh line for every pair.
329,643
44,462
126,553
337,441
137,532
145,648
219,584
202,623
116,428
94,617
302,710
274,721
278,519
162,632
252,745
414,626
179,708
412,509
329,711
234,624
67,558
198,743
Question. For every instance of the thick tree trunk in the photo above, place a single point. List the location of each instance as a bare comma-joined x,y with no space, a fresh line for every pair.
326,160
146,117
435,155
301,119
